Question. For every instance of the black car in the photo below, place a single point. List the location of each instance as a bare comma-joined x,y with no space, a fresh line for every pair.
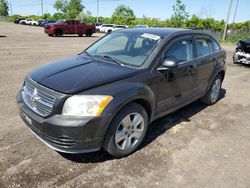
16,21
46,22
107,96
242,52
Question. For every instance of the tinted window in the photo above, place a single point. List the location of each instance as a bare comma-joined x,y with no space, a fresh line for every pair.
107,25
203,46
181,51
216,46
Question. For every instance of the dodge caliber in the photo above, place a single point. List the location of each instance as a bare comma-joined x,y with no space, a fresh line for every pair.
106,96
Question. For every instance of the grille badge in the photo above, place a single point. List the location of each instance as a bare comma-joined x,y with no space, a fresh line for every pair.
34,98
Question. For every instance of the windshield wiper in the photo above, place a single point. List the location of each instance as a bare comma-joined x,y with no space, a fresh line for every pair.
87,53
107,57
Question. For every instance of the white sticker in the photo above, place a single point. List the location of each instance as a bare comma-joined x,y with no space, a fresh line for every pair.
151,36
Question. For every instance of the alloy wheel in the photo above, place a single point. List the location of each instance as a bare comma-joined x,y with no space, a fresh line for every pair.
129,131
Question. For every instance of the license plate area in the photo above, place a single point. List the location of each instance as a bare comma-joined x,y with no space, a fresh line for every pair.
27,118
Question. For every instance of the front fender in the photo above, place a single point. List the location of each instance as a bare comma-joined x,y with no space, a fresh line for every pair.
129,93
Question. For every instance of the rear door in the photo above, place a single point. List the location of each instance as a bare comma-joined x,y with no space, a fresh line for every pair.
206,60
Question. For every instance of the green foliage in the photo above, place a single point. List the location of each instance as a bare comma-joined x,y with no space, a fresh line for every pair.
180,15
123,15
71,8
58,16
59,5
4,8
46,16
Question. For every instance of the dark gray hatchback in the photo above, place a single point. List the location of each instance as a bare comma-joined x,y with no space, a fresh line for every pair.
107,96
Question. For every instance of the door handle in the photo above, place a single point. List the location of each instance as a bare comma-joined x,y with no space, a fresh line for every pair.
191,69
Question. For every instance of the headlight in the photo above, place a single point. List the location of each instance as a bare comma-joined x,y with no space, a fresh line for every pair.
86,105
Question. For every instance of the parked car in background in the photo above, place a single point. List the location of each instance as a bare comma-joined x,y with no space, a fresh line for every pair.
115,28
63,27
242,52
16,21
97,26
104,27
42,24
36,23
27,21
107,96
141,26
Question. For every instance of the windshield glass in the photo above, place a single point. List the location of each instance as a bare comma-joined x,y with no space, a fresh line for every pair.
128,48
60,22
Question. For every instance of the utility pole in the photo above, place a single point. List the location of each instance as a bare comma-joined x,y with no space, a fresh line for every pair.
42,7
228,15
97,11
236,9
11,13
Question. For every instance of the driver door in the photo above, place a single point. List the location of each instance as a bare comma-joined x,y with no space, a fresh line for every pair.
177,87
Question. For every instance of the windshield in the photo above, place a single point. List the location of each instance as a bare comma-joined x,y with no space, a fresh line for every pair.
60,22
128,48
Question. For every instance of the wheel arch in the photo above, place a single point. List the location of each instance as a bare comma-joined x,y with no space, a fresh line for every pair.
142,95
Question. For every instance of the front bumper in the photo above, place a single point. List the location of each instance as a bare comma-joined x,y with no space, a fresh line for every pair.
49,31
68,134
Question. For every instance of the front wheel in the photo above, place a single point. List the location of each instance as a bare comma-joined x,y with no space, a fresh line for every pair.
89,33
126,131
213,94
58,33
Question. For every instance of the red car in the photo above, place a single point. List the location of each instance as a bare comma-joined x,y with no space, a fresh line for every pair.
62,27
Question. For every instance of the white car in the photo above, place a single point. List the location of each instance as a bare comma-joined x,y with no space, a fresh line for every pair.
26,22
117,27
34,22
106,27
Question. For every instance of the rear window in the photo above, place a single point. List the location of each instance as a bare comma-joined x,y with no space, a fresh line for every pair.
215,45
203,46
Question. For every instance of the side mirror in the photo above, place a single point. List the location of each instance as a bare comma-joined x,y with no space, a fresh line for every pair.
168,64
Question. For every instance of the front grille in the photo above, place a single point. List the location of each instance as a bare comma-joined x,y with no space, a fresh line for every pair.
37,100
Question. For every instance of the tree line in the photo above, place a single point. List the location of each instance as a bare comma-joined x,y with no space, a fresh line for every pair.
73,9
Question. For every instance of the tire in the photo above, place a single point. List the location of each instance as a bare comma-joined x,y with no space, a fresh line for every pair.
213,94
80,35
58,33
109,31
122,139
89,33
50,35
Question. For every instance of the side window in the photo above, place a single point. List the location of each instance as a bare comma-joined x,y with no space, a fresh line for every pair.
215,45
203,46
181,51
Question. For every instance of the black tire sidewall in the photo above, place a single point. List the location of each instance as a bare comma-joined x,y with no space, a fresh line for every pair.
207,98
109,140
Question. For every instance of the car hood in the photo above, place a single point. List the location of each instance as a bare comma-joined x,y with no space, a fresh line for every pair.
78,73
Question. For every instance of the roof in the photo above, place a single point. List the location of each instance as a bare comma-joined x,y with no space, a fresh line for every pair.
163,32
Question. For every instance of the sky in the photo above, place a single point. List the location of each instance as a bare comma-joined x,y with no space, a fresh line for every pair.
161,9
